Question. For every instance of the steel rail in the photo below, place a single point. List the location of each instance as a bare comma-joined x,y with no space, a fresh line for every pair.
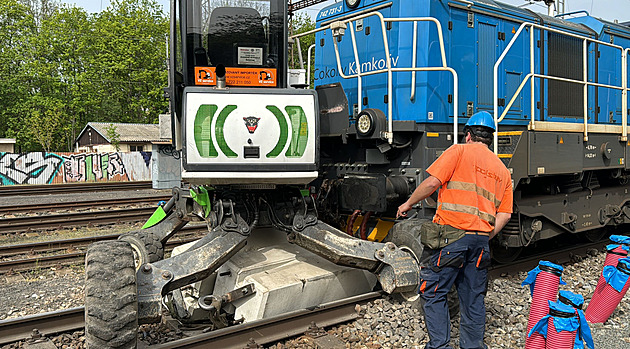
67,245
276,328
72,258
48,246
560,256
15,330
263,331
38,189
79,204
29,223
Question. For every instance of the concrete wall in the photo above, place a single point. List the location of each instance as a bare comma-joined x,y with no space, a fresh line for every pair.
49,168
166,172
6,147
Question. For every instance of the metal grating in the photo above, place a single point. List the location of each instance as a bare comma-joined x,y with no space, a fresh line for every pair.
486,58
566,99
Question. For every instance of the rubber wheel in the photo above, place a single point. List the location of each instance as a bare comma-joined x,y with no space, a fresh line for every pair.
147,248
406,235
111,299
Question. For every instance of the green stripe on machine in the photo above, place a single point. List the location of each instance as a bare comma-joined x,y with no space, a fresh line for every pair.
299,127
203,130
219,131
284,131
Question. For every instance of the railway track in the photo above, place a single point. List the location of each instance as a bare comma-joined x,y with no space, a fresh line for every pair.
263,331
32,189
268,330
62,220
69,251
46,207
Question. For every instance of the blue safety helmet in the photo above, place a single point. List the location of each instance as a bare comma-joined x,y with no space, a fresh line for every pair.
482,118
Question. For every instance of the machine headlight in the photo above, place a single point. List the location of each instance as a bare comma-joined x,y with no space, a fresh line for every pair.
352,3
365,124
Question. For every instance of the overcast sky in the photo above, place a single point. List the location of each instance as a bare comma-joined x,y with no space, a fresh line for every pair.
606,9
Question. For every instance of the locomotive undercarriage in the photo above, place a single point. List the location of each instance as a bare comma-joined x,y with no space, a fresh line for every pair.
231,215
563,184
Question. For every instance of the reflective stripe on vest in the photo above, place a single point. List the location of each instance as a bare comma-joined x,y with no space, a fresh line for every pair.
447,206
475,189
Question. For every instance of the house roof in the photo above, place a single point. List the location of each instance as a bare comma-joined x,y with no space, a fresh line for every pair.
7,140
127,132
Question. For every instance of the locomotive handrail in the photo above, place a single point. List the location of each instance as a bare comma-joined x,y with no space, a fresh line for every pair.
624,94
532,75
308,57
572,13
344,23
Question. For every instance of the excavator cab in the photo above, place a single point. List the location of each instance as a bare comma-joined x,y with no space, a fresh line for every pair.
234,118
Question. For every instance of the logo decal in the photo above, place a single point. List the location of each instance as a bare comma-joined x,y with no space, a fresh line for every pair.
251,122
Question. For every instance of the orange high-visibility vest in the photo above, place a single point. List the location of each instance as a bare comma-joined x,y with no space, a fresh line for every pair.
475,186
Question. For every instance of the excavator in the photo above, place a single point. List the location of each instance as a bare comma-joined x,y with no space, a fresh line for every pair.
279,236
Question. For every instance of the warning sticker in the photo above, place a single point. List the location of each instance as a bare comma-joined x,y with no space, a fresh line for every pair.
204,76
237,76
250,55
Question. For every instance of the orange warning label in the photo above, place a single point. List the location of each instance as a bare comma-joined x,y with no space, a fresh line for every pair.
237,76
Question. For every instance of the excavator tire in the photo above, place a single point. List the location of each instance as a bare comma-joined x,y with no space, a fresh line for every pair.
146,246
111,298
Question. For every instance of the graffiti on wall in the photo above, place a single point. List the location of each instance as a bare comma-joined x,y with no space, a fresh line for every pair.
94,167
29,168
49,168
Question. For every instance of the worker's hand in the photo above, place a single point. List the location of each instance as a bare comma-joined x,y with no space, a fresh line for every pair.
403,209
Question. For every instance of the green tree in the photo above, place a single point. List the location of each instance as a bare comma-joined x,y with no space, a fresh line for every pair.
113,135
301,23
130,41
58,69
17,30
44,121
60,64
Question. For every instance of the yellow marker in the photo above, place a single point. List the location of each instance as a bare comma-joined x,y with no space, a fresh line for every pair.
433,134
357,223
561,140
510,133
514,30
380,231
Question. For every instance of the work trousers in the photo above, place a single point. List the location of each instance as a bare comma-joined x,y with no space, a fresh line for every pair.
464,263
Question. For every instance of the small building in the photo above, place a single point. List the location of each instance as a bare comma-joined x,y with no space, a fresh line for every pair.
97,137
7,145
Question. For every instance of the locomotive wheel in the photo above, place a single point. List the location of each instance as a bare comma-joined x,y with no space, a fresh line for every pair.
406,235
147,248
593,235
111,300
503,255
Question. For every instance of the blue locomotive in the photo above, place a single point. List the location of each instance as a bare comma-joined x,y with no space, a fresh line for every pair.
414,71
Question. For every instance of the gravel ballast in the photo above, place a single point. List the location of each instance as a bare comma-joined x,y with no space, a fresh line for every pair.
384,323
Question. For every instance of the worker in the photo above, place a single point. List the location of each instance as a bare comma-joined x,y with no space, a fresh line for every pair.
474,204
